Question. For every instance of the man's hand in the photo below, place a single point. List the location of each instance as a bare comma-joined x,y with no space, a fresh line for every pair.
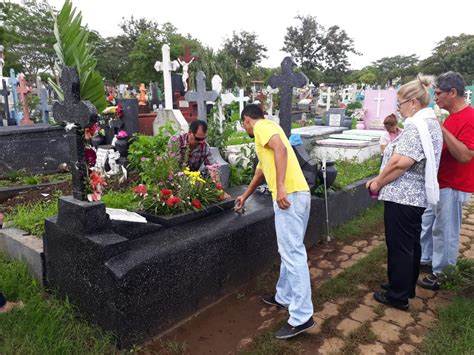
282,199
239,203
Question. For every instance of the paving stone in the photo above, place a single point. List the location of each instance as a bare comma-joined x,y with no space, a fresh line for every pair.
377,242
385,332
341,301
266,324
317,328
348,263
329,310
467,233
349,249
331,346
335,272
369,300
368,248
243,343
360,243
398,317
467,226
436,302
416,339
342,257
325,264
370,349
427,319
463,239
405,349
315,273
417,304
347,326
469,254
424,293
358,256
470,219
363,313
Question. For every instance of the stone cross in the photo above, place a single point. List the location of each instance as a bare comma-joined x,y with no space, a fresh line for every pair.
4,94
24,90
286,82
201,96
75,113
379,98
217,87
241,99
14,95
167,66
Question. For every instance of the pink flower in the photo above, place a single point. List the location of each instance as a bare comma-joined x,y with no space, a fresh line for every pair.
140,190
122,134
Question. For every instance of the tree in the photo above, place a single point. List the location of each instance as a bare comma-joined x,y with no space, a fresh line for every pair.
316,48
245,49
401,66
28,37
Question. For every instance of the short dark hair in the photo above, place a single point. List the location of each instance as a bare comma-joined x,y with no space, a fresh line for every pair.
451,80
390,120
253,111
194,126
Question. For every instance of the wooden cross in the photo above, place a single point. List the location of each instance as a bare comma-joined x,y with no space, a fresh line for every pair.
201,96
74,113
187,57
24,90
286,82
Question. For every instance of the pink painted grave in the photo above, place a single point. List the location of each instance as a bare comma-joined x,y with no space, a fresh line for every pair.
379,104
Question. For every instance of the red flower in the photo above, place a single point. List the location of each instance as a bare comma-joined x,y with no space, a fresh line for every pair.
96,180
166,193
196,203
110,98
218,186
173,200
119,111
90,156
140,190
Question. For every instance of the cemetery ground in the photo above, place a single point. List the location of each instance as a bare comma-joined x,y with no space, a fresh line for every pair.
344,274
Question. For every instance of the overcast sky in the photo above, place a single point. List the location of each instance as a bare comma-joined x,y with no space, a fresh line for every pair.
379,28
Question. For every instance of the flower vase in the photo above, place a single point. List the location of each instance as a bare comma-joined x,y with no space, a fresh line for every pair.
360,125
121,145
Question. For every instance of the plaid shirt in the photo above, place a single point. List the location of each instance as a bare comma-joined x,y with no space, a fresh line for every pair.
200,154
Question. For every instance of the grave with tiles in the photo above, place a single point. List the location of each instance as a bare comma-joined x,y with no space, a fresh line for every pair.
139,279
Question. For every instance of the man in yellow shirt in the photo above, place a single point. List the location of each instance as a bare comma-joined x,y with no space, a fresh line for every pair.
291,203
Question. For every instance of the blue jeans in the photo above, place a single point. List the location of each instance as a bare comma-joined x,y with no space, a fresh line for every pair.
440,229
294,288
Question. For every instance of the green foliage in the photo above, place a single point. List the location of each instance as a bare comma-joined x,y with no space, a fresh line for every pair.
73,50
352,106
33,180
458,277
45,325
158,168
217,135
245,49
239,138
242,173
389,68
149,146
349,171
454,332
16,175
30,217
120,199
27,35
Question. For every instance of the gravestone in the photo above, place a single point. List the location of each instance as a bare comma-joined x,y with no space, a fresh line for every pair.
155,101
23,90
201,96
14,116
5,109
130,115
286,82
336,117
43,106
75,115
379,104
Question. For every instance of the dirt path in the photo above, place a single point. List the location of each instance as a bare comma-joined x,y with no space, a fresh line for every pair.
345,325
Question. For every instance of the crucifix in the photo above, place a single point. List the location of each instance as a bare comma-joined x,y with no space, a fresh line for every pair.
23,90
286,82
185,61
4,94
167,66
75,114
378,99
14,117
201,96
242,99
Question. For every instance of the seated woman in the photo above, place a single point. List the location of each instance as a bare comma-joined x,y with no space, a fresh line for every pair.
392,131
407,183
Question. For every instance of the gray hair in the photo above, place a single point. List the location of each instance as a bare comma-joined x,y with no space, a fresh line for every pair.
451,80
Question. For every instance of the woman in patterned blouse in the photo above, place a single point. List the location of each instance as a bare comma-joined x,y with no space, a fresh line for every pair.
407,183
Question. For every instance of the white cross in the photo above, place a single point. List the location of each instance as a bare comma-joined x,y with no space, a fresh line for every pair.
469,96
378,99
167,66
241,99
328,99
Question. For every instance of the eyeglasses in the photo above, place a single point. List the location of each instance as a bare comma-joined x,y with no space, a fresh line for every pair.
199,139
399,104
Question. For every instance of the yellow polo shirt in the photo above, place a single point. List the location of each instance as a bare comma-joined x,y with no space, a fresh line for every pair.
264,130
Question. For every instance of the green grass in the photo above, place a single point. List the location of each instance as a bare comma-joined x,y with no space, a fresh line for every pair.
46,325
349,171
30,217
459,277
239,138
364,223
117,199
19,179
454,333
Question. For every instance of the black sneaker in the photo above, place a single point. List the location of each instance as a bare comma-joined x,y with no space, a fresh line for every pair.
273,302
430,282
288,331
380,297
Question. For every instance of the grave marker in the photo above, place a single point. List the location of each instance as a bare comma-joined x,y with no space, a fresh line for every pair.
167,66
24,90
201,96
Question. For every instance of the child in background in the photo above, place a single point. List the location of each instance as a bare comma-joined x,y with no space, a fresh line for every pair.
392,131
